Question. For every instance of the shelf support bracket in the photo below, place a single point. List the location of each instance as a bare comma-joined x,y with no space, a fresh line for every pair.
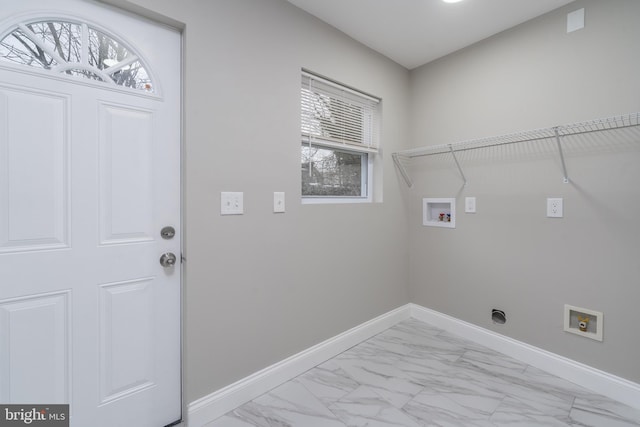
564,166
453,153
402,169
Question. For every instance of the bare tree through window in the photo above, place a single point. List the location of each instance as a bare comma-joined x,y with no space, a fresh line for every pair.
331,172
59,46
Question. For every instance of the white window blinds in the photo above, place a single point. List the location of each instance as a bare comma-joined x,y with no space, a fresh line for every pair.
338,117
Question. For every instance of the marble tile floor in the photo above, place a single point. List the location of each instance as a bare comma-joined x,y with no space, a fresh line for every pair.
414,375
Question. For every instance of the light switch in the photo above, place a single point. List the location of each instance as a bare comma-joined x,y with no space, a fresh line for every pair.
231,203
470,204
278,202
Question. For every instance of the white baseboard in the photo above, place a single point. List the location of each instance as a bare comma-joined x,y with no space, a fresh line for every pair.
218,403
590,378
215,405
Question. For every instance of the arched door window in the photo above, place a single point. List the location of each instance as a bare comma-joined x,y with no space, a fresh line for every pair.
75,49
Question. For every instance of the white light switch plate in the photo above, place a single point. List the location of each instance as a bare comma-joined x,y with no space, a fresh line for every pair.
470,204
278,202
231,203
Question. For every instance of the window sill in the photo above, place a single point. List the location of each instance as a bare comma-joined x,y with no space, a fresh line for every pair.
334,200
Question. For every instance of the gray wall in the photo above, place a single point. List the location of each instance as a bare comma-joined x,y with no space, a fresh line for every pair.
263,286
509,255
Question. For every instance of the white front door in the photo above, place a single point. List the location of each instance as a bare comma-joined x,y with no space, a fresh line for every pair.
89,176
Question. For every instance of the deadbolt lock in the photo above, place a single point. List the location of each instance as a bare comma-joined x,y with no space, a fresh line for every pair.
168,232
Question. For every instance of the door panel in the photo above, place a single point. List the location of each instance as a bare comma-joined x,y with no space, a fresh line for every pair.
126,338
37,340
126,174
33,207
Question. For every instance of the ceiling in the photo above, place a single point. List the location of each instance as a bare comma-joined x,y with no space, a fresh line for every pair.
414,32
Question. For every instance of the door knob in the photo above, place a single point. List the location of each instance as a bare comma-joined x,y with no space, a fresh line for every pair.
168,260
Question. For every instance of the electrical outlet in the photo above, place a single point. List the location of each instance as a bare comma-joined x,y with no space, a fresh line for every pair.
554,207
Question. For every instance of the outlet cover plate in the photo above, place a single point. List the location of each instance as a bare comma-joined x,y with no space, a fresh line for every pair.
231,203
554,207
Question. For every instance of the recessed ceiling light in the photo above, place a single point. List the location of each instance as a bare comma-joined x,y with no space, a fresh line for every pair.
451,1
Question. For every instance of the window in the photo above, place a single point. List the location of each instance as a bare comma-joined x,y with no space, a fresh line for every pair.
75,49
339,128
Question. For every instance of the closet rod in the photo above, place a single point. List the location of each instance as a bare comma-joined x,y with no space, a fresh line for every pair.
447,148
599,125
556,132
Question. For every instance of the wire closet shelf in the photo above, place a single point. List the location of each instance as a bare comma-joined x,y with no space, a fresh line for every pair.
556,132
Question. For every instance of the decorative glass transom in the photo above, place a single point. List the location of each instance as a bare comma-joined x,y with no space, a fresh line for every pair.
75,49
